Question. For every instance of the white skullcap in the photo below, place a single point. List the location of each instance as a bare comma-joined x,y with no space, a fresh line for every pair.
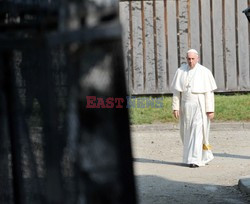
193,51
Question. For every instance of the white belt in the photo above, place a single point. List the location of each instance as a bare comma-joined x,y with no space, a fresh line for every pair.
188,96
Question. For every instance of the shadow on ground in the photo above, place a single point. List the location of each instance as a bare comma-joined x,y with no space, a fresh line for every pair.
153,161
157,190
231,156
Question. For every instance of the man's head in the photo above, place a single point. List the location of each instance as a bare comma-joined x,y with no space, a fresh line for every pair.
192,58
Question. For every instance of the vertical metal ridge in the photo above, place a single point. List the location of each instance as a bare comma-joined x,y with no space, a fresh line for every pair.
212,31
132,44
200,29
143,45
237,44
189,24
178,32
224,43
155,44
249,38
166,40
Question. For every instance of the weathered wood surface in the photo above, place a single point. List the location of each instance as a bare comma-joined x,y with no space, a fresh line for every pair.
230,45
172,40
218,60
161,48
243,48
137,49
125,22
194,21
157,34
183,30
206,45
150,66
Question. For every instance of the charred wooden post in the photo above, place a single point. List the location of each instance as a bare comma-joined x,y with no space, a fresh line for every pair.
54,55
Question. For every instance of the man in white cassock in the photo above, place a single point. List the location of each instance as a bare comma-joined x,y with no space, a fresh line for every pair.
193,102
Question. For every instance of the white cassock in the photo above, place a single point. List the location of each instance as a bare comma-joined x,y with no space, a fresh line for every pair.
193,96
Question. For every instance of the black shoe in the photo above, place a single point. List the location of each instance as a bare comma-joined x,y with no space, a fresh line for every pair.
193,166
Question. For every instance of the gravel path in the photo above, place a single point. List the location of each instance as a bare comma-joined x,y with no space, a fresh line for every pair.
161,177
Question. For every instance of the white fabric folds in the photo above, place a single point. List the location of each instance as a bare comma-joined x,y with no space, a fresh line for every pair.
193,96
202,82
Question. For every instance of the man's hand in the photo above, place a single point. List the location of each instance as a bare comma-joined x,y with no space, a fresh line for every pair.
176,114
210,115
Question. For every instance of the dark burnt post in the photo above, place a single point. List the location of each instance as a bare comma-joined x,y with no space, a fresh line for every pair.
64,125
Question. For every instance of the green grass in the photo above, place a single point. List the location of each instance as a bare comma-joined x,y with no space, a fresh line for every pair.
227,108
232,108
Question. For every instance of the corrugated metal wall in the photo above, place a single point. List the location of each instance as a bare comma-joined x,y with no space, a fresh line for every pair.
157,34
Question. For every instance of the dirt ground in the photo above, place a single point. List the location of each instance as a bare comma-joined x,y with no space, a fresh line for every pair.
161,178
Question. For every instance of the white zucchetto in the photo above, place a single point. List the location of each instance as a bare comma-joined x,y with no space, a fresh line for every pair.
193,51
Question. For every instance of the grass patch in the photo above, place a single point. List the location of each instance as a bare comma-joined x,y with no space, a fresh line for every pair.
232,108
227,108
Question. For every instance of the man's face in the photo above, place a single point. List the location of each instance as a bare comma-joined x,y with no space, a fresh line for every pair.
192,59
